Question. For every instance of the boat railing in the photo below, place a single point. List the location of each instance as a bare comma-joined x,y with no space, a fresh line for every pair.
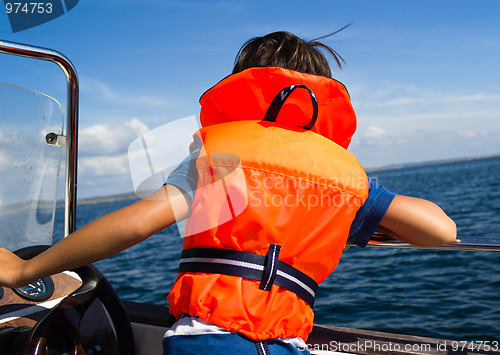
466,243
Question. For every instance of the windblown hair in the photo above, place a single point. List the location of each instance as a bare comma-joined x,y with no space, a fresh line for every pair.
284,49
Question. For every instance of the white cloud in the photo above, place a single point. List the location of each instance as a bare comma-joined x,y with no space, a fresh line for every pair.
115,155
374,132
4,158
468,133
103,154
474,133
104,139
4,161
104,165
137,126
374,135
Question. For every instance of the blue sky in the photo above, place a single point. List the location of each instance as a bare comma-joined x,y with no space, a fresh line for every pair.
422,75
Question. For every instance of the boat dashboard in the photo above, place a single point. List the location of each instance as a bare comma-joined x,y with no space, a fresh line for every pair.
23,309
26,305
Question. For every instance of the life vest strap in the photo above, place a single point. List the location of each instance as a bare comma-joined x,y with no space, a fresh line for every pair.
267,269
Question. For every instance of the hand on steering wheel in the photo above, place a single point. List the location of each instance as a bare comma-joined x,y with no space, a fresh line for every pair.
60,328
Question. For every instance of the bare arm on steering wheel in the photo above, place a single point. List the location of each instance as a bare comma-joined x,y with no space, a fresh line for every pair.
99,239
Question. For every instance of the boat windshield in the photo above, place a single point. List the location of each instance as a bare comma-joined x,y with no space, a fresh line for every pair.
29,166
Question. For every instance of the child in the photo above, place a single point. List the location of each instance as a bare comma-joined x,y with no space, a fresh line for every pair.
272,198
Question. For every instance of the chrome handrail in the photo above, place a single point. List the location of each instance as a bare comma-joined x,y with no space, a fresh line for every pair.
466,243
69,70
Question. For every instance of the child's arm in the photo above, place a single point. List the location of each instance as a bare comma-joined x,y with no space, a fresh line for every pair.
417,221
99,239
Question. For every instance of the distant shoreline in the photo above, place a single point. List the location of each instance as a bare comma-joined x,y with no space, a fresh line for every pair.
132,196
96,200
122,197
430,162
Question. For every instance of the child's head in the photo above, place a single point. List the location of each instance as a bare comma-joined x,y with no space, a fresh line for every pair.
284,49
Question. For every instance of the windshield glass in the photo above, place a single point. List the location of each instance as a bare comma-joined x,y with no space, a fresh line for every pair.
29,167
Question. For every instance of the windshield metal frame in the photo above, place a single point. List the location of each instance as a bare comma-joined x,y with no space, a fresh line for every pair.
71,126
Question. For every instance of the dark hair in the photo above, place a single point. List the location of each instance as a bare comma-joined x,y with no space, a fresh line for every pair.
284,49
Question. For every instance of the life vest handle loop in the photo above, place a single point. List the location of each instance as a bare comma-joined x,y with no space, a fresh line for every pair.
280,98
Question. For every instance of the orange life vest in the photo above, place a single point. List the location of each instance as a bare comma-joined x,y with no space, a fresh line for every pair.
272,191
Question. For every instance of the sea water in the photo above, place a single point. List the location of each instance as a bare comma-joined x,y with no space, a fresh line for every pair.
442,294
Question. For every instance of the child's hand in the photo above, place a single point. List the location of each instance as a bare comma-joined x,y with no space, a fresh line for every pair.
11,268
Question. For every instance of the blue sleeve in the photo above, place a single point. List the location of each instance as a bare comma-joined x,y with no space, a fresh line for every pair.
185,176
370,214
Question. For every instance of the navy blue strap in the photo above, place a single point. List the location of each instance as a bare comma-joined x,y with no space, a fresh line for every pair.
279,100
270,267
267,269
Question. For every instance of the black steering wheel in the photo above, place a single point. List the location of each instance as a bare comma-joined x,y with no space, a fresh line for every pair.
62,324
